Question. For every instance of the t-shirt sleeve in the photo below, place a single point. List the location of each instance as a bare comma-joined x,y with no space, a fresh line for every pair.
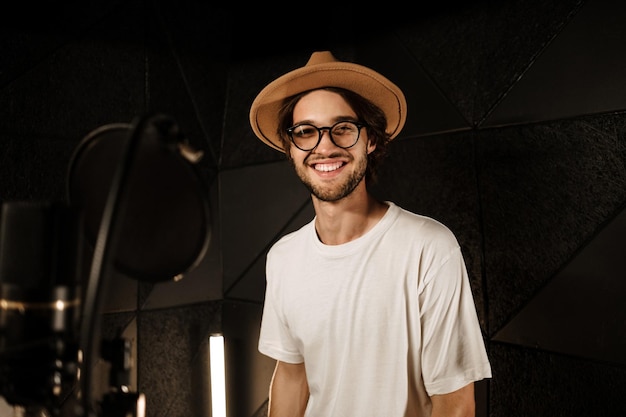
275,339
453,353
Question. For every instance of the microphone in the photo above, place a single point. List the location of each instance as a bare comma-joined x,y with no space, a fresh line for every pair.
40,265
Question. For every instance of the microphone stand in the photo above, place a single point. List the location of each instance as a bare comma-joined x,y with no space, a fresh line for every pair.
104,249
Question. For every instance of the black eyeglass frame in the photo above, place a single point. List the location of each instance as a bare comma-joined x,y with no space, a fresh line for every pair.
330,135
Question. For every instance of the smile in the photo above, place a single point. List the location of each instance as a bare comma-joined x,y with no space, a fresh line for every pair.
328,167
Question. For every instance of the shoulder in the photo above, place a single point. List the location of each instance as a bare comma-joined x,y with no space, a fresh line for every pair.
422,226
291,240
419,234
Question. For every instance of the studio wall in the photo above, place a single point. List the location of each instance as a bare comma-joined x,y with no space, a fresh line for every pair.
515,140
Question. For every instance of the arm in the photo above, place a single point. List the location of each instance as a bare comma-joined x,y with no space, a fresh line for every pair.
459,403
289,390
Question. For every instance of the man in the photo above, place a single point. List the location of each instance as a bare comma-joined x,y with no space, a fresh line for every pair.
368,308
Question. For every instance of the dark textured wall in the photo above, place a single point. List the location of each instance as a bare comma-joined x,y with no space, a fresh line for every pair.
515,140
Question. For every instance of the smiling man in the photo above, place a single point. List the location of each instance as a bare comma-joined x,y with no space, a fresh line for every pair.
368,309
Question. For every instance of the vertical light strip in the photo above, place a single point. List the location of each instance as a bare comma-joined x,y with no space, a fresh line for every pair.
218,376
141,405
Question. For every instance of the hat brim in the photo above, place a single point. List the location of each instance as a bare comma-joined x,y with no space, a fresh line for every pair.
354,77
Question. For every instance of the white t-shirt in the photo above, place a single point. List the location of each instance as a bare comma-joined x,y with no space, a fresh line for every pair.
380,322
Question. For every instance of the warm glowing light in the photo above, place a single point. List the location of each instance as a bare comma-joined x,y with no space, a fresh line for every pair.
218,376
141,406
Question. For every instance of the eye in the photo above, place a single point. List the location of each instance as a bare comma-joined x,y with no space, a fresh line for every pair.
304,131
344,128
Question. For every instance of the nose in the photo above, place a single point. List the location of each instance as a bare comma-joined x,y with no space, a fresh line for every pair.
326,142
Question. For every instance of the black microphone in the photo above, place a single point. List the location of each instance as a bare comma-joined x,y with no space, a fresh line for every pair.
40,269
126,184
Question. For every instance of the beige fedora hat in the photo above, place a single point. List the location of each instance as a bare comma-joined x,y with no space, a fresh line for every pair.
324,70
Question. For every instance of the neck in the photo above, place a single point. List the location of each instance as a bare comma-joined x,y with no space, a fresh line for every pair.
351,217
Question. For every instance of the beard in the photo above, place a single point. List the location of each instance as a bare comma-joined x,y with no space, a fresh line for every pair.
334,192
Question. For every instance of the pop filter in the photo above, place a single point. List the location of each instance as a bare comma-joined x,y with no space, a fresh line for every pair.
164,221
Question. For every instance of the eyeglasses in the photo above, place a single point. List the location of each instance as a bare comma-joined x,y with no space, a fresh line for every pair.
343,134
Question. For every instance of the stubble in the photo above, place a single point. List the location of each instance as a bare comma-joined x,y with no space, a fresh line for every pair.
333,190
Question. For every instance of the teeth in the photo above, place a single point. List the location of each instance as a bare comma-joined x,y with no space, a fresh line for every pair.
328,167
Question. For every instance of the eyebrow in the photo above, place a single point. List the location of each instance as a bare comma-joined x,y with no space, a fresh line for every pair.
334,120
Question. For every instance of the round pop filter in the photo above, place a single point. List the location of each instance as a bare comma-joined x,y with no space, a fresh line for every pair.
162,229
